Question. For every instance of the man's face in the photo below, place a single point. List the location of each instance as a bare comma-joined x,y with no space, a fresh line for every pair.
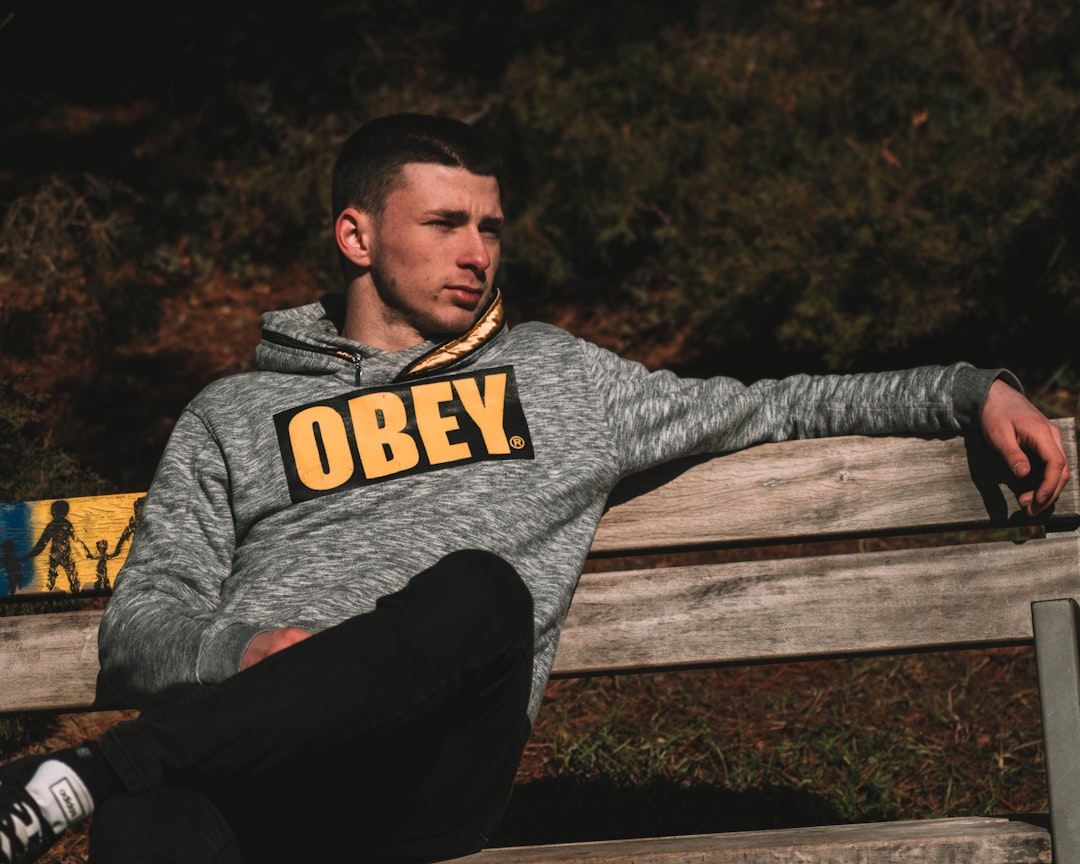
436,249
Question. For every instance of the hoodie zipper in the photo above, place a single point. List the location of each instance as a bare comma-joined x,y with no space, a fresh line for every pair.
288,342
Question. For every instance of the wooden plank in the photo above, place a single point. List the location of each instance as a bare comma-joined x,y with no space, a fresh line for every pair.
984,840
66,544
48,662
700,615
807,607
828,486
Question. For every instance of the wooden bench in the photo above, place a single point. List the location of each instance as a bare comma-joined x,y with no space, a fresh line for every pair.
919,597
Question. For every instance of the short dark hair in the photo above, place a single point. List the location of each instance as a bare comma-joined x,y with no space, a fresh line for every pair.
369,165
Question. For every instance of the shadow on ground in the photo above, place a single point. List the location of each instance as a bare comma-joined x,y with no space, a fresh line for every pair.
560,810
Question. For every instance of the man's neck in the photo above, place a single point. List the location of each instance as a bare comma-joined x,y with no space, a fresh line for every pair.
369,325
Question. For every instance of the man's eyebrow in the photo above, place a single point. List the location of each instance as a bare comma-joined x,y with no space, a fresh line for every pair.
462,216
444,213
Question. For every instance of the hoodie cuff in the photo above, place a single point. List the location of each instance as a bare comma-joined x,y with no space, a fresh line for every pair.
222,652
970,389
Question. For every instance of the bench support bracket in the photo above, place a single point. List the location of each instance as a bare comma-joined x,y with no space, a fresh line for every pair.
1055,624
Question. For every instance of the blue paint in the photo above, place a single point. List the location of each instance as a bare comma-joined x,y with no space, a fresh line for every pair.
15,526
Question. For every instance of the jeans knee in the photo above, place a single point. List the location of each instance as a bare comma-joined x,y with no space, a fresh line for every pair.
490,582
478,588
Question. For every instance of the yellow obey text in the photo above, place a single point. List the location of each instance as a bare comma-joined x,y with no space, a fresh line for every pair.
373,435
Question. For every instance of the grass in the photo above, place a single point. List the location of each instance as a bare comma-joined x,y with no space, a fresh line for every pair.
783,746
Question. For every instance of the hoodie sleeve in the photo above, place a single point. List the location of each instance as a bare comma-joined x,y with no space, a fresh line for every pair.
659,416
160,628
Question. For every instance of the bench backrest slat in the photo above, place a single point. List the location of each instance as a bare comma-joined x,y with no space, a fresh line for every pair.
48,662
830,487
796,608
785,609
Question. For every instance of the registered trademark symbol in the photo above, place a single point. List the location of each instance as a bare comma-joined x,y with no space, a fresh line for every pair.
517,442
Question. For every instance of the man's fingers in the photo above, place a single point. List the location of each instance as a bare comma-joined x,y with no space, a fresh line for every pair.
1022,435
1055,473
1045,442
1006,440
1018,462
1054,479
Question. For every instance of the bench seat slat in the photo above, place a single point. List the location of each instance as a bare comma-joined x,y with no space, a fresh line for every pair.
976,840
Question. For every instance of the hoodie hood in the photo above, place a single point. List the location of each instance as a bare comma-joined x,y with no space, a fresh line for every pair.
308,340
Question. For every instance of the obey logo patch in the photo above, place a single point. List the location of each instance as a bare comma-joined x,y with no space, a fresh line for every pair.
378,434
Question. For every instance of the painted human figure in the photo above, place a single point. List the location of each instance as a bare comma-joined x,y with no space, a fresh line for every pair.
102,555
129,529
12,566
59,535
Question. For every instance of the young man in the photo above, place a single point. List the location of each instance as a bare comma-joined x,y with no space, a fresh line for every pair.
402,497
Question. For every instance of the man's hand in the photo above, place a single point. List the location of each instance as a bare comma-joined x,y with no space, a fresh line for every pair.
270,642
1018,430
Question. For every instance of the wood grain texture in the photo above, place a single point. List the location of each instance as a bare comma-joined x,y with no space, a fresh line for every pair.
931,841
48,661
805,607
944,597
833,486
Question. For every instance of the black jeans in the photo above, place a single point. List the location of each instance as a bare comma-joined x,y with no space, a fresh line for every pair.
394,736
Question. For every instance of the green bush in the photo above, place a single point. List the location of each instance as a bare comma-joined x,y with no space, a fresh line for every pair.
64,228
830,185
836,186
31,468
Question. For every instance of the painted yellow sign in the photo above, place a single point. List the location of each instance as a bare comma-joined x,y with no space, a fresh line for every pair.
72,545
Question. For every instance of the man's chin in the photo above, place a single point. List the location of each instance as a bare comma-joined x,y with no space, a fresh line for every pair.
452,326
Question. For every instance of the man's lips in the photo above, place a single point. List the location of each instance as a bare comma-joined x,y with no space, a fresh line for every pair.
466,295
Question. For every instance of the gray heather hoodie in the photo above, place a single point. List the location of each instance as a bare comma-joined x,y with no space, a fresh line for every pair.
299,494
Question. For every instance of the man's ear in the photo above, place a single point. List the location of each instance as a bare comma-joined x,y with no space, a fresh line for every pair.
354,232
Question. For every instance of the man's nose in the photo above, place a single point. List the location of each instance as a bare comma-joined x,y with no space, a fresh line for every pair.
474,253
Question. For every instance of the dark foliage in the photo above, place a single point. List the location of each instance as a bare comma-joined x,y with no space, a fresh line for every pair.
30,467
775,187
792,186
